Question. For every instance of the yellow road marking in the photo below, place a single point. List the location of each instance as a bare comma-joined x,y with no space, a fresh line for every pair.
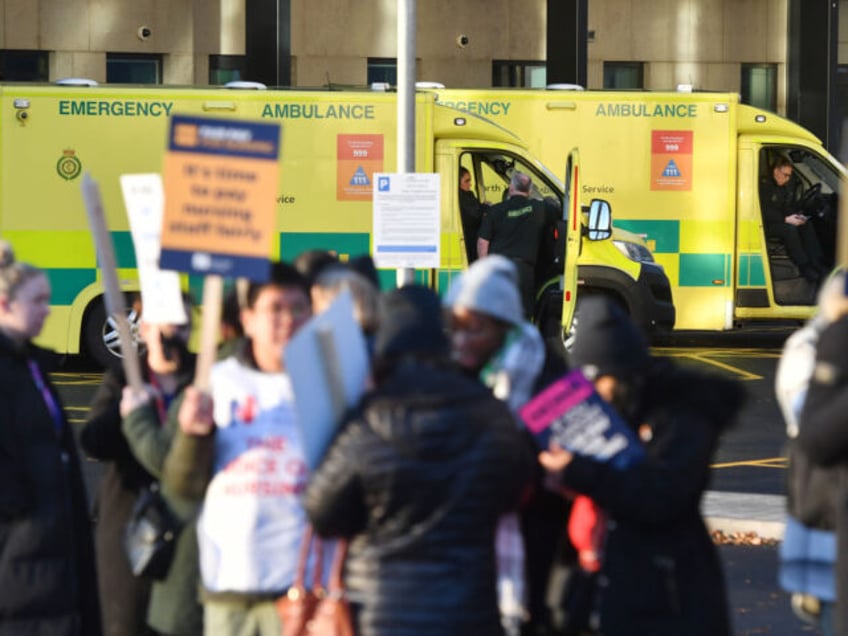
769,462
724,353
744,375
706,356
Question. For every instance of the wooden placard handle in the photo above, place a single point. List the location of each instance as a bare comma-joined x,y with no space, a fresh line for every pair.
115,307
213,291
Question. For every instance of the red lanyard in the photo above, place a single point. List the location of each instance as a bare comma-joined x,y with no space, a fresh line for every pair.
49,400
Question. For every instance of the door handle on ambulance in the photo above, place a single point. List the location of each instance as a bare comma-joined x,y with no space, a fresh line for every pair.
561,105
219,106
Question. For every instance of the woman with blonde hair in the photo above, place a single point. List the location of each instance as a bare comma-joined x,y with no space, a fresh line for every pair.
47,573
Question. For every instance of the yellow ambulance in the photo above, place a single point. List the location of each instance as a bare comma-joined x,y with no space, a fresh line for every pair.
332,143
685,169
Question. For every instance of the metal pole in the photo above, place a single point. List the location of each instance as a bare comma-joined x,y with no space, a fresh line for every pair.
406,103
842,221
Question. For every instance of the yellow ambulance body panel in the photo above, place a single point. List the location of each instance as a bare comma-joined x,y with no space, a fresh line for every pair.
331,145
683,170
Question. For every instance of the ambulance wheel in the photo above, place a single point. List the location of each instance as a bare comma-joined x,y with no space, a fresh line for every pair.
570,334
100,334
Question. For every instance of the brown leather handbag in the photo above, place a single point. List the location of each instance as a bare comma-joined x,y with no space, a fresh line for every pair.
316,611
332,615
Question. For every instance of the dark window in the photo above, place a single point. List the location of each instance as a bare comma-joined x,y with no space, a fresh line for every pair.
382,69
624,75
23,66
226,68
525,74
129,68
759,85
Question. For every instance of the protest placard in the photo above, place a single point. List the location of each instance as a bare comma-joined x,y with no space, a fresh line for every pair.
570,413
327,361
161,296
220,179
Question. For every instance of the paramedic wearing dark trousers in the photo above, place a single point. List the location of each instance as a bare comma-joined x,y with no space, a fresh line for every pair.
513,229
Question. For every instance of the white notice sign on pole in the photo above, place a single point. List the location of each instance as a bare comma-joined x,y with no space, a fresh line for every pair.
406,220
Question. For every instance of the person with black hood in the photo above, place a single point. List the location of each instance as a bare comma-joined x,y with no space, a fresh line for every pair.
48,583
660,572
419,477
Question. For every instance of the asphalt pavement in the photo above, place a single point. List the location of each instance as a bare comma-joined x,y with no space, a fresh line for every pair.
757,604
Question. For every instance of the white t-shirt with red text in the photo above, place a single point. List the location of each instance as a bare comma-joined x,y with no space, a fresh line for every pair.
252,522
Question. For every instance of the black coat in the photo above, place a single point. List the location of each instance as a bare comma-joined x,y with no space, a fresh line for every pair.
47,575
544,516
661,573
823,436
124,597
777,202
421,478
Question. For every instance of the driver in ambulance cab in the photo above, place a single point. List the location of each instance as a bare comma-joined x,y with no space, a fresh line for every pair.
782,220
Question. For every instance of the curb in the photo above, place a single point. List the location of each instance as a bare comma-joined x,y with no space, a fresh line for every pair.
732,512
763,529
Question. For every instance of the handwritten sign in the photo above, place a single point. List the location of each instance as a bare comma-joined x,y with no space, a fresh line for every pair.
220,185
161,297
572,414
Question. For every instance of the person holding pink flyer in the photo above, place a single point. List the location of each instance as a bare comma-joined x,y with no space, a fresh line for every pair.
660,572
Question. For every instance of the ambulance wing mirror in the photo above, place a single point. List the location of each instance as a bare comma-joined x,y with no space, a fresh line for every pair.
599,227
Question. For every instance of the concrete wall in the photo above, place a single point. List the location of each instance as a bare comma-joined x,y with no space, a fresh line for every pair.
699,42
79,33
497,29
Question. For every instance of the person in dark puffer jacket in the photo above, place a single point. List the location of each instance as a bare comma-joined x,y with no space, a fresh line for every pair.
419,478
48,582
661,574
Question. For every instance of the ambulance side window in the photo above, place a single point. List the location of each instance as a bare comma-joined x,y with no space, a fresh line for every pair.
493,185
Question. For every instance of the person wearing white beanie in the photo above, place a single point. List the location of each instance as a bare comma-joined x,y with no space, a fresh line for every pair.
491,339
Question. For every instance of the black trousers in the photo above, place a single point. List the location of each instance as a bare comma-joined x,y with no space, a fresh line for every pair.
526,284
801,242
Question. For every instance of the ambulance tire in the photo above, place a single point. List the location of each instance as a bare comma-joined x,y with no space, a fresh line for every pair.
571,334
100,334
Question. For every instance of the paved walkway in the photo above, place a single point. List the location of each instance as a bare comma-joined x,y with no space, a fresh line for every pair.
745,512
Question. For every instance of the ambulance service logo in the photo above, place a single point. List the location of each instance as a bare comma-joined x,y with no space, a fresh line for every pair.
358,157
671,159
69,166
360,178
671,169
